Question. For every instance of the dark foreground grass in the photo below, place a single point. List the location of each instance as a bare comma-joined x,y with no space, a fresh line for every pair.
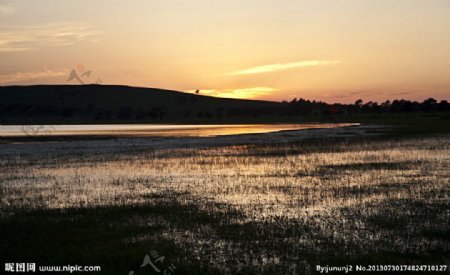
117,238
336,203
98,236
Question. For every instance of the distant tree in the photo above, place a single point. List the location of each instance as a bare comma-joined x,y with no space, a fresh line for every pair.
386,106
443,106
429,105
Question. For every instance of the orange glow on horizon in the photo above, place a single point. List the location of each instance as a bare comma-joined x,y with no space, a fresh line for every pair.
336,51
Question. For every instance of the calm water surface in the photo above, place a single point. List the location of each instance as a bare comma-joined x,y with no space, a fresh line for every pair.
153,130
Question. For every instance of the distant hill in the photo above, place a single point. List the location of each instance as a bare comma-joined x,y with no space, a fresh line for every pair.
113,103
85,104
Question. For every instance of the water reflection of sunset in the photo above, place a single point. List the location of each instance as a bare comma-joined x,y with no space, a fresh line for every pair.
166,130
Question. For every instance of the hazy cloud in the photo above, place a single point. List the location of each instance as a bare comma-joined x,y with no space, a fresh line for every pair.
285,66
25,76
253,92
30,37
399,93
6,9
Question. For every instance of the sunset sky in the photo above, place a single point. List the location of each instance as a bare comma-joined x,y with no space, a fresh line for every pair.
335,50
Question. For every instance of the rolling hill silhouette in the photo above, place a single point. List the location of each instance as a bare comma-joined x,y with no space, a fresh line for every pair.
89,104
114,103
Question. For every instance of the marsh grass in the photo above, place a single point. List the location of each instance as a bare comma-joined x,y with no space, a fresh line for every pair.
255,209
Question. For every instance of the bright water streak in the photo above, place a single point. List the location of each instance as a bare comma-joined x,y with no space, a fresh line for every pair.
154,130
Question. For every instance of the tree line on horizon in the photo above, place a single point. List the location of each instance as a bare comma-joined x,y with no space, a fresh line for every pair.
196,111
308,107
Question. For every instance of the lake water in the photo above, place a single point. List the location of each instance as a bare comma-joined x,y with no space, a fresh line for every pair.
157,130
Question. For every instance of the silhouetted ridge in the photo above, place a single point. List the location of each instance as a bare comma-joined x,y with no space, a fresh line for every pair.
113,103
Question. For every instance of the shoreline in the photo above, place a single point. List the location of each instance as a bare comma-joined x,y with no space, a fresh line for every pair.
108,144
